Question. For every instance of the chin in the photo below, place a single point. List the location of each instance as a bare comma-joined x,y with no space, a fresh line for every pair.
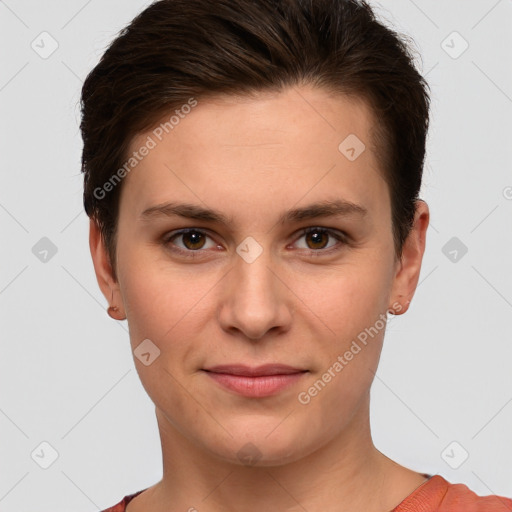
263,444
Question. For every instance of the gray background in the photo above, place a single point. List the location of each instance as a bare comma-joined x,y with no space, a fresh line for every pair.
67,376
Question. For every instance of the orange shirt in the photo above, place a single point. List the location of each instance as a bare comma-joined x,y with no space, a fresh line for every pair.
434,495
438,495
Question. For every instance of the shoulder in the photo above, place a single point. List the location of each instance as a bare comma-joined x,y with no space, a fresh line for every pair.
121,506
439,495
459,497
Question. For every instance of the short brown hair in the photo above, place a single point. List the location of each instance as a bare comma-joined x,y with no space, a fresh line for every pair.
175,50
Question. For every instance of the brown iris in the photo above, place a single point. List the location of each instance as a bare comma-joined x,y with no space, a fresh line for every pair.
196,239
317,237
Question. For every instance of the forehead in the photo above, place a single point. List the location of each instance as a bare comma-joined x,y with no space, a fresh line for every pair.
267,118
297,141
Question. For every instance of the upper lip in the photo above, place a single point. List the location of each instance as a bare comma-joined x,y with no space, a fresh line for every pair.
255,371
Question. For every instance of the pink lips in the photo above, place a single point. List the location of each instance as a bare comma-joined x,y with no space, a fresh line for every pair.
255,382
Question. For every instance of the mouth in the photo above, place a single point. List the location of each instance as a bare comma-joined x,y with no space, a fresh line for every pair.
255,382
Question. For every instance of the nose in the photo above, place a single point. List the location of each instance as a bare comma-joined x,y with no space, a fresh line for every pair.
255,299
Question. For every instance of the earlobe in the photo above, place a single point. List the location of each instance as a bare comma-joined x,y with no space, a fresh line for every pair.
407,276
103,270
113,311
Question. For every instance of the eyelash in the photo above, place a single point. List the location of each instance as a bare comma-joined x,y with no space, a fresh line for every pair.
189,253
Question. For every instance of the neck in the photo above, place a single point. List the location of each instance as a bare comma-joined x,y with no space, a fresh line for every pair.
347,473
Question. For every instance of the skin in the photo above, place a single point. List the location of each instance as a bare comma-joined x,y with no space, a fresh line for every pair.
298,304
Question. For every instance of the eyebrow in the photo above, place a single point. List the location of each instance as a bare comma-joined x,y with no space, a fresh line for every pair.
333,208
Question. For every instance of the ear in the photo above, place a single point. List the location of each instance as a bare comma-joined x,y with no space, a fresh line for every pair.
104,274
409,266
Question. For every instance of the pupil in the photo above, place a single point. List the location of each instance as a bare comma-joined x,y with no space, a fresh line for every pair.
317,238
195,239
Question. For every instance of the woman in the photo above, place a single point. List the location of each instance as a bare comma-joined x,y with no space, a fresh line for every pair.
252,171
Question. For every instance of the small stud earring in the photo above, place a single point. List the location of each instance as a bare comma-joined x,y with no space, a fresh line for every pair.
112,310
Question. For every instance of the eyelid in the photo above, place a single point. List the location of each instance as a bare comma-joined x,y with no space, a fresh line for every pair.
340,236
169,236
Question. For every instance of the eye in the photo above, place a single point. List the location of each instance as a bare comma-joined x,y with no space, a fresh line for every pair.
317,238
192,240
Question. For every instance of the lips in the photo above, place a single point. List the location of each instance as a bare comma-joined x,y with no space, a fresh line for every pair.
255,382
258,371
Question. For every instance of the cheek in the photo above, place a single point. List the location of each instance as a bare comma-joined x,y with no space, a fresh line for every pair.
350,307
159,308
348,356
167,307
154,295
346,301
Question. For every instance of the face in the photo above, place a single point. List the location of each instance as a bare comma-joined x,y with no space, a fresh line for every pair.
275,248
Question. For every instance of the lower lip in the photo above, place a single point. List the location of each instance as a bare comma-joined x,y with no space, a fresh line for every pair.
256,387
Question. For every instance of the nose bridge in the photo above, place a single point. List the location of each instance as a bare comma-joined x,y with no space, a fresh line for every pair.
255,300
